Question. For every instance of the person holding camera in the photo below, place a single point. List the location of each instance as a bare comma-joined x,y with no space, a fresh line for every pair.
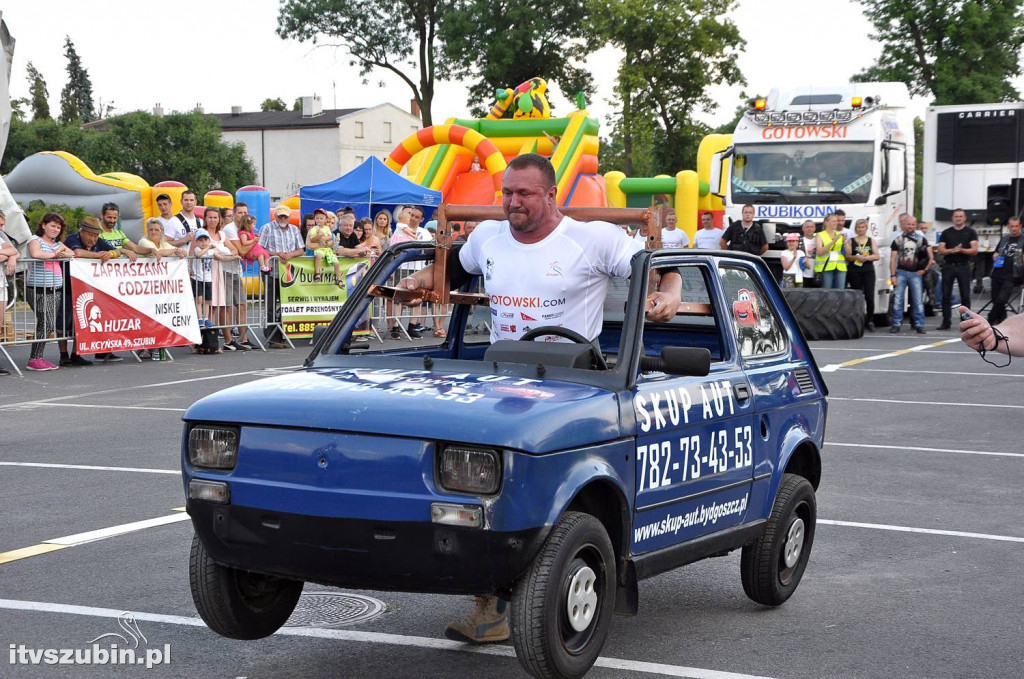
1007,269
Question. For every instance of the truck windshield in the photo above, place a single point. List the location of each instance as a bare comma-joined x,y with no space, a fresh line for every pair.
807,173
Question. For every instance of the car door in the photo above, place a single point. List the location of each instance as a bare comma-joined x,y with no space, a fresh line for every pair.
694,435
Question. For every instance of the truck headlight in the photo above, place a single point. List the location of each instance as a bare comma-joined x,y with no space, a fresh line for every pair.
213,447
464,469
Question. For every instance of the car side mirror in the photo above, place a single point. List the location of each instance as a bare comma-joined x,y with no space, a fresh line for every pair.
686,361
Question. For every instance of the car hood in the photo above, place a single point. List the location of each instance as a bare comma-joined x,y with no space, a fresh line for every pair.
505,411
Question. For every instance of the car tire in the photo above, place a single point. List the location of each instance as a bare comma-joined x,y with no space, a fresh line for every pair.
772,565
238,604
562,606
824,314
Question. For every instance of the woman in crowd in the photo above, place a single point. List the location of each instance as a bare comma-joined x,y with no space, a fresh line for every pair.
308,222
45,283
157,242
369,238
830,257
862,255
225,271
382,229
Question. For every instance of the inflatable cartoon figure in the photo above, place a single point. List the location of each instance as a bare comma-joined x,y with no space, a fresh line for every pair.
529,101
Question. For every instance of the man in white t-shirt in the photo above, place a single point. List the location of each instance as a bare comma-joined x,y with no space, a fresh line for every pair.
540,264
672,237
172,230
708,237
185,223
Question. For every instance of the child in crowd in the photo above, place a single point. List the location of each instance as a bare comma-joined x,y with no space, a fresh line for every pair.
793,262
320,240
403,231
258,253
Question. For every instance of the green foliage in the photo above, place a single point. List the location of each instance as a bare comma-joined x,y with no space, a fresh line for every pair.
275,105
37,93
186,147
76,102
72,215
673,52
399,36
297,104
502,43
957,52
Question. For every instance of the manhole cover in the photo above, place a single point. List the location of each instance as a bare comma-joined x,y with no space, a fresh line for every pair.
329,609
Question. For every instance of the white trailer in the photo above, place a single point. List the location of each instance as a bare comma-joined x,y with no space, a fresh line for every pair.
968,149
802,153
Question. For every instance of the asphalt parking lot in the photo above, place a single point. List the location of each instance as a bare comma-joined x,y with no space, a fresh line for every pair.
914,572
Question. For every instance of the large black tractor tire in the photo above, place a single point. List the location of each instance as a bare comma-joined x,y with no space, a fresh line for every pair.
827,314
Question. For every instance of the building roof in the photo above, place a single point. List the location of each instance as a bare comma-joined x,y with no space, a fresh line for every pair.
275,120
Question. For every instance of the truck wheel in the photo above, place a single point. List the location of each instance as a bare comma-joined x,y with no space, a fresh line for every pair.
827,314
773,564
238,604
562,606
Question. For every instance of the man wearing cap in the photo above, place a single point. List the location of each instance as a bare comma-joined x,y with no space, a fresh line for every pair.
284,241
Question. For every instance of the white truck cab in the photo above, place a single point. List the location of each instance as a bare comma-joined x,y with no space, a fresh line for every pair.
802,153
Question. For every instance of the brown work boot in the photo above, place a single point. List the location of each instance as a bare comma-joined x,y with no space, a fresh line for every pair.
483,625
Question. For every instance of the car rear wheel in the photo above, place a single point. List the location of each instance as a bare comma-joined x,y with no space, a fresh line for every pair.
562,606
773,565
238,604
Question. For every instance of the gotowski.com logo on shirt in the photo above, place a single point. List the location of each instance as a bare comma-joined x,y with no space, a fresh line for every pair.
126,646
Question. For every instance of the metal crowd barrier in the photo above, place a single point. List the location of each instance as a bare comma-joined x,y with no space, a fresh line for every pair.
21,324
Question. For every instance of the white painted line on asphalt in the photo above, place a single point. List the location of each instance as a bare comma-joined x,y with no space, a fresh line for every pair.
925,403
104,533
262,371
85,405
928,531
927,372
925,450
892,354
375,638
90,467
817,348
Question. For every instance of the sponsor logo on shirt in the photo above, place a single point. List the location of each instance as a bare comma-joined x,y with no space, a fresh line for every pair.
548,317
489,271
508,328
524,317
525,302
554,270
508,314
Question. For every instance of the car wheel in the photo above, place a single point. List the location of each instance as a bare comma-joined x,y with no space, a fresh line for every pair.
562,606
773,564
238,604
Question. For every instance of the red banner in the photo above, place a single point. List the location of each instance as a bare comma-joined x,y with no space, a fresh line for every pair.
127,306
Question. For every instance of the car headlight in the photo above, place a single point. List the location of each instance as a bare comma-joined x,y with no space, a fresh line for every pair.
213,447
470,470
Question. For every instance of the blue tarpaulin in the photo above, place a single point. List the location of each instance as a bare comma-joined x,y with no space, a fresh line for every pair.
366,189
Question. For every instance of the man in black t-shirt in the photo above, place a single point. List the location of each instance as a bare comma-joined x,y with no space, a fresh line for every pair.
348,241
745,235
957,245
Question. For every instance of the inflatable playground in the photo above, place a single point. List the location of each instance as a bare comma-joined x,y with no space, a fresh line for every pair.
460,162
463,159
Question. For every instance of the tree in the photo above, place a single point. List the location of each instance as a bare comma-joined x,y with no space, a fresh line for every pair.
672,53
38,93
273,105
76,101
399,36
501,43
955,51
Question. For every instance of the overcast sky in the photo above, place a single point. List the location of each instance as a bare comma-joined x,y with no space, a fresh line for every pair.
224,53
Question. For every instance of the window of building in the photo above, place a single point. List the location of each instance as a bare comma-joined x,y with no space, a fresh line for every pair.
387,133
359,130
359,160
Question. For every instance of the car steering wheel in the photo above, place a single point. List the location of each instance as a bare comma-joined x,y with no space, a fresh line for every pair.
571,335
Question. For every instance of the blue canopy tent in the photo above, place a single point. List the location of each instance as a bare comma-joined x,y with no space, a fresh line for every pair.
369,187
